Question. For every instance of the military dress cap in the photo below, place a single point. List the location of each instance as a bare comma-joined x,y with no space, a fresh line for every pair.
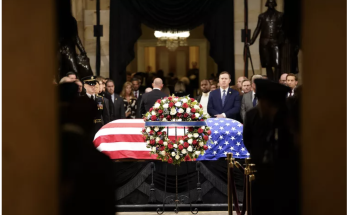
273,91
90,80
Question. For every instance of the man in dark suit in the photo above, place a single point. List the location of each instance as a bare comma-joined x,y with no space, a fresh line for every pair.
224,102
249,99
116,100
149,99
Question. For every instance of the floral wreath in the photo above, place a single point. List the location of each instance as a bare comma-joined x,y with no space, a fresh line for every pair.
189,147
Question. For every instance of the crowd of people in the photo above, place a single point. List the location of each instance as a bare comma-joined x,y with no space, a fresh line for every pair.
268,110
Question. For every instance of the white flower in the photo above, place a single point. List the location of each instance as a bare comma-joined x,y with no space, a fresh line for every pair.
154,149
175,99
189,149
184,151
195,135
177,157
197,115
157,105
153,112
172,111
202,152
175,145
148,129
190,141
165,143
158,139
184,100
181,141
156,129
198,153
148,142
181,110
188,110
173,154
165,106
164,119
151,137
201,144
163,153
189,135
196,107
179,120
178,104
203,127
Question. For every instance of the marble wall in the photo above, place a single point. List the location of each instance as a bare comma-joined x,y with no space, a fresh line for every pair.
84,11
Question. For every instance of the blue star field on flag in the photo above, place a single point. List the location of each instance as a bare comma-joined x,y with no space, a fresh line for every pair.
226,136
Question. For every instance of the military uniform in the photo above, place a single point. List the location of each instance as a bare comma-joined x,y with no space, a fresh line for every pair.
271,148
102,116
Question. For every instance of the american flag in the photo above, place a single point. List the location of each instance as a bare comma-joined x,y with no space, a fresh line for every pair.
226,136
122,139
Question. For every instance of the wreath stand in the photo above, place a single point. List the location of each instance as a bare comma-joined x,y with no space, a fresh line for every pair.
176,199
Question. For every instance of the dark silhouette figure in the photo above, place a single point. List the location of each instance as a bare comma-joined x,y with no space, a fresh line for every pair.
270,24
68,41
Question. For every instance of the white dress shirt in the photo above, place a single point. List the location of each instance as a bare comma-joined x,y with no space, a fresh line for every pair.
113,98
204,102
291,94
89,96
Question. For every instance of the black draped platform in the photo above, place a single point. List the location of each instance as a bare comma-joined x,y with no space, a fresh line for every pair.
133,181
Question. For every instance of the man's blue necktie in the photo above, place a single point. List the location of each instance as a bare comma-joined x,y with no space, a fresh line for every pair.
254,101
223,97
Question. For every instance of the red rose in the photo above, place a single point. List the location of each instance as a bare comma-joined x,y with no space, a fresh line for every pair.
209,132
160,111
194,142
159,133
144,130
150,109
200,106
158,100
170,160
205,138
190,129
151,132
205,147
193,110
160,142
200,130
161,116
186,115
152,142
181,147
187,158
186,145
153,117
170,146
185,105
193,116
178,114
192,99
169,117
162,148
202,120
170,98
171,104
164,132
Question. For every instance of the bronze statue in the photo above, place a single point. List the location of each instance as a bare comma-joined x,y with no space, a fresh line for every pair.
270,24
69,39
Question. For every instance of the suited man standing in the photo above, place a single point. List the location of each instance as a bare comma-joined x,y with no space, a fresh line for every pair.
204,98
224,102
249,99
150,98
117,101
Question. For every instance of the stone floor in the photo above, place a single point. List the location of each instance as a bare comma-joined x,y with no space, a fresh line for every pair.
180,213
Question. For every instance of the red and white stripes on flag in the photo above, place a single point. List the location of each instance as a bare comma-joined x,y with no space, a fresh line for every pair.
122,139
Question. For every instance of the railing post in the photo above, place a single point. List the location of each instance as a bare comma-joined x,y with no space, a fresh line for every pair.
229,183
